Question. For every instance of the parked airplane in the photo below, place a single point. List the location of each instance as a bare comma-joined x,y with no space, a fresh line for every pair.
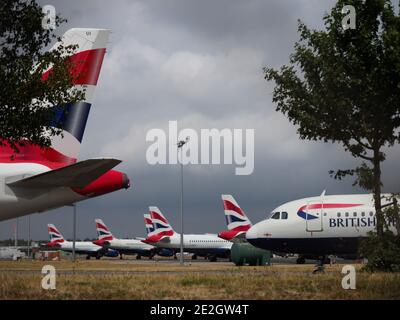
207,245
81,247
122,246
38,179
318,226
148,222
236,220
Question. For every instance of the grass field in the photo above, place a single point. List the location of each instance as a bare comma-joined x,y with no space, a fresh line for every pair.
114,279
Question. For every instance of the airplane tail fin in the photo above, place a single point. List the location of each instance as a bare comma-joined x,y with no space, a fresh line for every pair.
86,64
104,234
55,236
162,228
237,221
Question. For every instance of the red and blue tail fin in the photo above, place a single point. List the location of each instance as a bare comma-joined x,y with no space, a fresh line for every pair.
86,64
237,221
162,228
103,233
55,236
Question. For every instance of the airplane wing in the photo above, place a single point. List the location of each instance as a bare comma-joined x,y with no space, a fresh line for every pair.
77,175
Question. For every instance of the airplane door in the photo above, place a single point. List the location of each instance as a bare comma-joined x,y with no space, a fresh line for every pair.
314,216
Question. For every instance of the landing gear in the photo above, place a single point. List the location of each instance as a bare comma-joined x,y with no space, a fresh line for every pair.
121,256
194,257
319,268
87,257
138,257
213,259
301,260
98,257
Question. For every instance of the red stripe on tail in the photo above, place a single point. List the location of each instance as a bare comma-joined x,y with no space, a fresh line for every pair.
86,67
230,206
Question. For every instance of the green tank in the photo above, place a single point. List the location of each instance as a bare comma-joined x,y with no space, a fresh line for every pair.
245,253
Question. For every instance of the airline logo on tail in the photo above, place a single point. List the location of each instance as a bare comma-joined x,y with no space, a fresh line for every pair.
236,219
148,223
162,228
55,236
102,232
85,69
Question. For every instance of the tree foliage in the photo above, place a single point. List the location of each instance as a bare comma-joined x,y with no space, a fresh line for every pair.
383,252
25,97
343,86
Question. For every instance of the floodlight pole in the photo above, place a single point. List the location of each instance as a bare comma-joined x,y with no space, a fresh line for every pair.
29,236
16,233
74,239
181,143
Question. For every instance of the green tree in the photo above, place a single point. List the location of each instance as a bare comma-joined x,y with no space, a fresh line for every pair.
26,98
343,86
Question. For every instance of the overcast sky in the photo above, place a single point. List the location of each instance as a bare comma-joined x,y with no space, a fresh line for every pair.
200,63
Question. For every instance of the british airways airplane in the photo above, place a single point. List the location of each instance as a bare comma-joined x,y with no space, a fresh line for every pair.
318,226
122,246
207,245
39,179
81,247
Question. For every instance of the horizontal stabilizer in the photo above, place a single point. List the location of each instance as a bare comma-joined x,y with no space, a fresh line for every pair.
77,175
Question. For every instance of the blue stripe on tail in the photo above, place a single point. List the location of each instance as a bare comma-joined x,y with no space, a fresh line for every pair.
72,118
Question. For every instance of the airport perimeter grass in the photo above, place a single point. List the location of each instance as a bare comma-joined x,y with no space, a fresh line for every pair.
138,280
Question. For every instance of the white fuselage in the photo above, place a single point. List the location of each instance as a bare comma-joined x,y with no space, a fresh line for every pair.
322,225
16,202
201,244
81,247
130,246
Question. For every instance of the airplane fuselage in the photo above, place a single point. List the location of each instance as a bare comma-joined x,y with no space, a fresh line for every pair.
81,247
207,244
130,246
333,224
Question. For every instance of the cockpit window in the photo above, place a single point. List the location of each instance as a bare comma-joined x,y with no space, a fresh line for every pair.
276,215
284,215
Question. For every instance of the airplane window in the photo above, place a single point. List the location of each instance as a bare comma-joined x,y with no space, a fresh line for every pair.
338,214
346,214
284,215
362,214
276,215
325,214
354,214
371,213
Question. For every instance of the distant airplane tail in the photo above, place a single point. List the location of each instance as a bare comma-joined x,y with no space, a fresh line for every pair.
55,236
237,221
162,228
103,233
86,64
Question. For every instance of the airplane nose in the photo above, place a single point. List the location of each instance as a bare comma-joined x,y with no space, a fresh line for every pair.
252,233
